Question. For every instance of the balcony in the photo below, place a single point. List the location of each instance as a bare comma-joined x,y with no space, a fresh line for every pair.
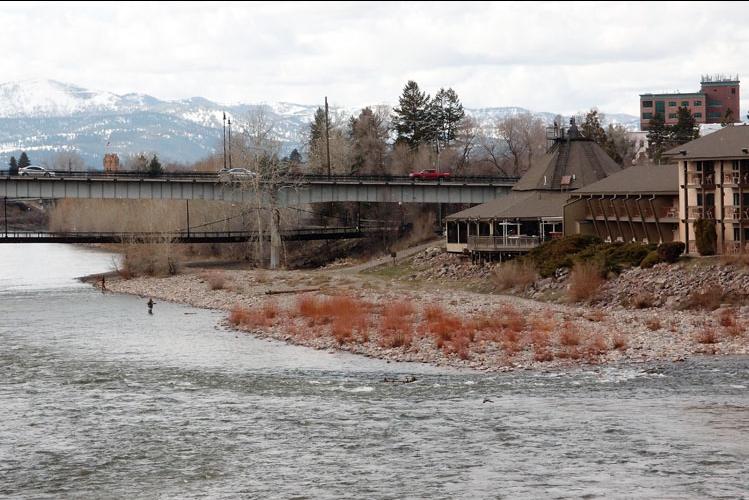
735,213
736,178
704,179
701,212
501,243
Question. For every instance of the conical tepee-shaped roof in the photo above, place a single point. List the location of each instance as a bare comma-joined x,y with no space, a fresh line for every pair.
571,163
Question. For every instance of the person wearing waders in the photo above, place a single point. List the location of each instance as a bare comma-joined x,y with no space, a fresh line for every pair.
150,306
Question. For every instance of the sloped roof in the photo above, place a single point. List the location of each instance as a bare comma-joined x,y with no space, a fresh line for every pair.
640,179
727,142
517,205
581,159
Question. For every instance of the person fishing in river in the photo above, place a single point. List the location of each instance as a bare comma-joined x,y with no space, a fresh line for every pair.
150,305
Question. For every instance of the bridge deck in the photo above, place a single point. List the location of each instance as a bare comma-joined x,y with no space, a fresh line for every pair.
330,233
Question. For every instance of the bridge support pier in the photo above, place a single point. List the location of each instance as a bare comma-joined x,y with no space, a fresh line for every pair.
275,239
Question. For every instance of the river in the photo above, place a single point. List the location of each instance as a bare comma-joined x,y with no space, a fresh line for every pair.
99,399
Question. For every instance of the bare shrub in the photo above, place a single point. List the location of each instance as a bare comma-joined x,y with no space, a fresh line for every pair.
585,281
642,300
216,279
514,274
708,298
653,324
728,317
569,336
597,345
620,342
707,336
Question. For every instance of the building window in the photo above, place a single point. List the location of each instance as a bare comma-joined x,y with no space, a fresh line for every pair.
672,115
672,103
647,116
698,103
660,106
733,91
647,104
713,114
684,104
698,115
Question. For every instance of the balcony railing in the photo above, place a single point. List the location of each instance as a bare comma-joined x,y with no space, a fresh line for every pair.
701,178
736,178
701,212
499,243
736,213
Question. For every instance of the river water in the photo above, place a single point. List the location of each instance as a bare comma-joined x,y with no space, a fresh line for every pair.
98,399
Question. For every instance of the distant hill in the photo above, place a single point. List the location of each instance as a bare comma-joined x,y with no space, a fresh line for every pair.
44,117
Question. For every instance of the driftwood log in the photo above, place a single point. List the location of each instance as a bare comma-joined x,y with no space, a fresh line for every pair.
296,290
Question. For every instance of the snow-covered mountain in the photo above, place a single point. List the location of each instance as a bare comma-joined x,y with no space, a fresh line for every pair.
43,117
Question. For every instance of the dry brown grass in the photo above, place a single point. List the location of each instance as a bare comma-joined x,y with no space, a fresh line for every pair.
216,279
728,317
707,336
653,324
708,298
585,281
620,342
642,301
597,345
569,335
514,274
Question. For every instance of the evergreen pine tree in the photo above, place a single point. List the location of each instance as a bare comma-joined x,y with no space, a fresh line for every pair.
446,113
295,158
13,166
154,167
592,129
686,128
317,126
23,160
658,137
411,119
368,138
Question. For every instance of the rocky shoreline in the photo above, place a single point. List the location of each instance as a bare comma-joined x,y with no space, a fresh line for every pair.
399,320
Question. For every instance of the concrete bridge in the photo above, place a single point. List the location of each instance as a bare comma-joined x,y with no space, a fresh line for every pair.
300,190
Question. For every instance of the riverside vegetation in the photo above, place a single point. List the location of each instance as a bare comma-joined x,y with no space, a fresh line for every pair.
413,311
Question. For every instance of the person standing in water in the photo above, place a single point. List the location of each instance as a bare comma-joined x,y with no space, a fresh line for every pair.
150,305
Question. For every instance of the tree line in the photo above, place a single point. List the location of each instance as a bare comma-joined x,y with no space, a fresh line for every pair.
662,137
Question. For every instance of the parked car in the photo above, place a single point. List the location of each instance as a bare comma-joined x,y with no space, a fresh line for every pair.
429,175
235,174
35,170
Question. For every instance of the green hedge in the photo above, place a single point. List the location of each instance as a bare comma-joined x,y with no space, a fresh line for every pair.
705,236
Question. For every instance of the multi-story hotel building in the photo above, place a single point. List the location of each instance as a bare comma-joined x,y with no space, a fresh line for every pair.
718,94
714,184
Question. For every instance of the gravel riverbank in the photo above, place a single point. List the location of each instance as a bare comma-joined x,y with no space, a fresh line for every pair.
396,320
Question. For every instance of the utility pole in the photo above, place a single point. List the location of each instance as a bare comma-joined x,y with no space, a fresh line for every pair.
327,133
224,140
187,207
229,142
5,210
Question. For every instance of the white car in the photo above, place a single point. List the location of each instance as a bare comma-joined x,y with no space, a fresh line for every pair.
35,170
235,174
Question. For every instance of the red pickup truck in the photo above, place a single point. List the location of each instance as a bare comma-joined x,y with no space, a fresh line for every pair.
429,175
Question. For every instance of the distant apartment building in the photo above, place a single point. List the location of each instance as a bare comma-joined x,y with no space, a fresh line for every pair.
111,162
714,185
717,95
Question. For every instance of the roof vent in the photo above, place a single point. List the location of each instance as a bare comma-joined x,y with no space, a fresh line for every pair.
566,180
745,150
683,152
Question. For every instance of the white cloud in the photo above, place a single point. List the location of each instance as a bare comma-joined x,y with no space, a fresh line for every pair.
561,57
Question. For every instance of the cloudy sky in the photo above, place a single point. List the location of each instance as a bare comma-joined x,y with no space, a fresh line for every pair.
559,57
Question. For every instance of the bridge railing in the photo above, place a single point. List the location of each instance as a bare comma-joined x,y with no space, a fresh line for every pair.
300,178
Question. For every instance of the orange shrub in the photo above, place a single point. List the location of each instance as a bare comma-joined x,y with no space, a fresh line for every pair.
597,345
707,336
569,335
728,317
620,342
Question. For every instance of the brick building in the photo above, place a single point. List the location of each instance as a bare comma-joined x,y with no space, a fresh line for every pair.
717,95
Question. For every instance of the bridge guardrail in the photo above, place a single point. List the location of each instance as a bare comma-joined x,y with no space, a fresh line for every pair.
87,174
